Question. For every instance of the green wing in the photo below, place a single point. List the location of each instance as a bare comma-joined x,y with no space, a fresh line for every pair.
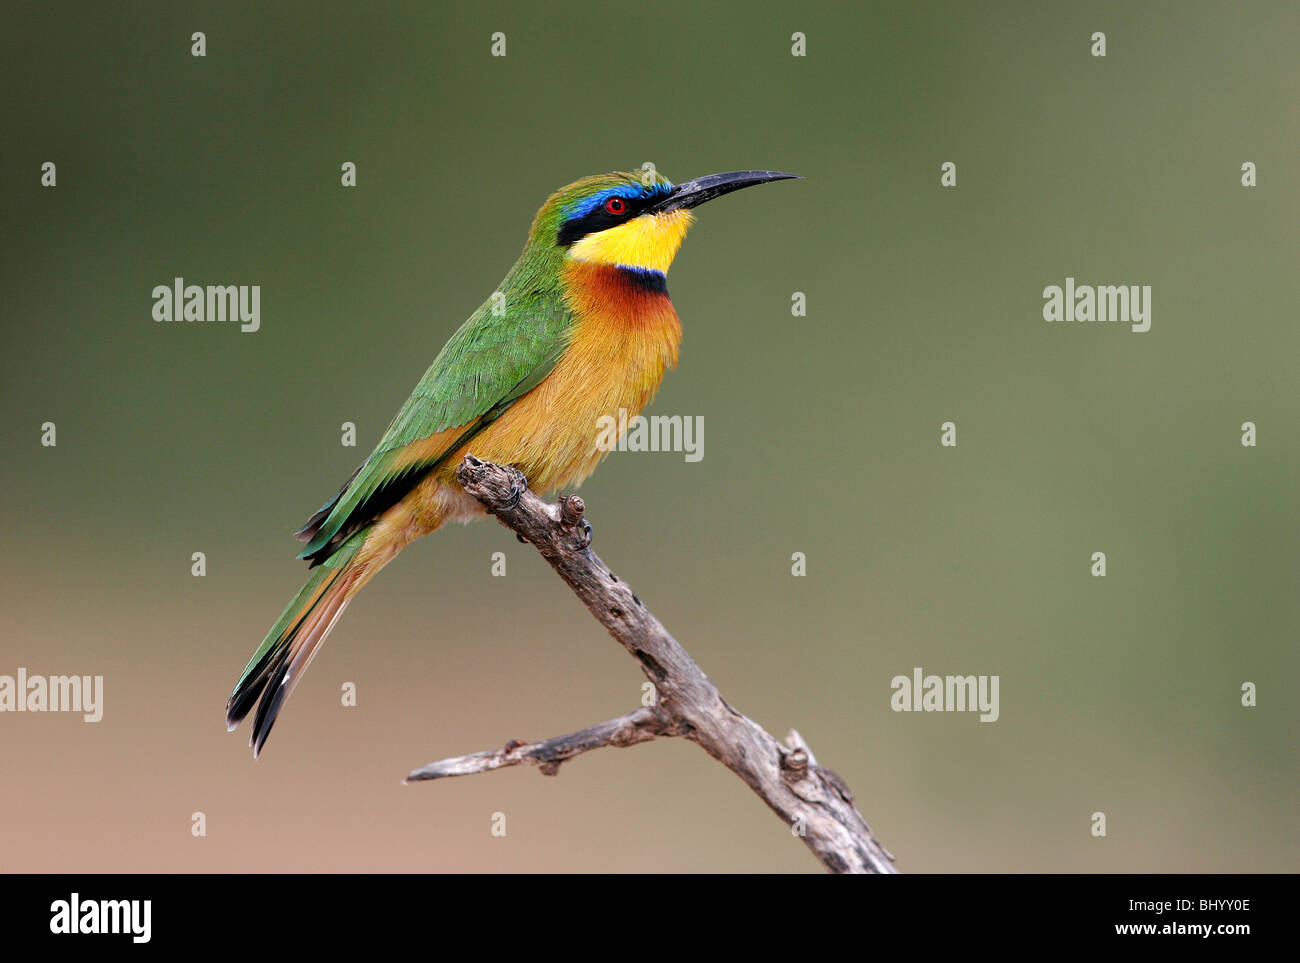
492,360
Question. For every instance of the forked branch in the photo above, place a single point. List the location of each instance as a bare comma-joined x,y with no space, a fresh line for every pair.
811,799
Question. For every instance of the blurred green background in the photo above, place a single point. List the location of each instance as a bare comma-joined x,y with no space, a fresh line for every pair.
1118,694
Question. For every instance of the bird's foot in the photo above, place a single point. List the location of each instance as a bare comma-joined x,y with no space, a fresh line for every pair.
516,491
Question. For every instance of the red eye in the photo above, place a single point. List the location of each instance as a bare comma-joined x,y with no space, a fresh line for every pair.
616,205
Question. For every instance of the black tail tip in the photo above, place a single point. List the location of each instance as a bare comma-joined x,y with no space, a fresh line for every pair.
258,738
233,718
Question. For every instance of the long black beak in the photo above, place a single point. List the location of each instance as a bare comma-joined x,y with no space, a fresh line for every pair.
696,192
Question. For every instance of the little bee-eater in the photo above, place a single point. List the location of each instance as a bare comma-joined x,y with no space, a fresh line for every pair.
580,328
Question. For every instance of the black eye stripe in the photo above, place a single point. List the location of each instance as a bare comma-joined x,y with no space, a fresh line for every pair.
600,219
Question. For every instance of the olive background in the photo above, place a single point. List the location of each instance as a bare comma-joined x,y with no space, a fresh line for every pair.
1119,694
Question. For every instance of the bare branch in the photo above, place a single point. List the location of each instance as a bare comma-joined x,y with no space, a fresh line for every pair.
640,726
811,799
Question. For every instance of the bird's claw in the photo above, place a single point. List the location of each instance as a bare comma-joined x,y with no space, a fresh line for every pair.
516,493
587,533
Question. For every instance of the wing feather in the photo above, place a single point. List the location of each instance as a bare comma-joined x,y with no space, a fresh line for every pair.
496,357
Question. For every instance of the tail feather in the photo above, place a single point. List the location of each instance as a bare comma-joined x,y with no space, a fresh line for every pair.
287,651
296,658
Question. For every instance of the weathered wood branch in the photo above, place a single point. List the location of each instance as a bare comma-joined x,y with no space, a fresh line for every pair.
811,799
640,726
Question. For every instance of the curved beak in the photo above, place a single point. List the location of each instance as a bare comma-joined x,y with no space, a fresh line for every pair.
696,192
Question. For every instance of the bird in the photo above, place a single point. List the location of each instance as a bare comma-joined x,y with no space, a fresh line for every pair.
581,326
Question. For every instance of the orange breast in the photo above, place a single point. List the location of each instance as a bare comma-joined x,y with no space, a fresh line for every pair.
625,337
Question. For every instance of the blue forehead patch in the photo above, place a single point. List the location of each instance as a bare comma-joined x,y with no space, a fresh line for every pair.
631,192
